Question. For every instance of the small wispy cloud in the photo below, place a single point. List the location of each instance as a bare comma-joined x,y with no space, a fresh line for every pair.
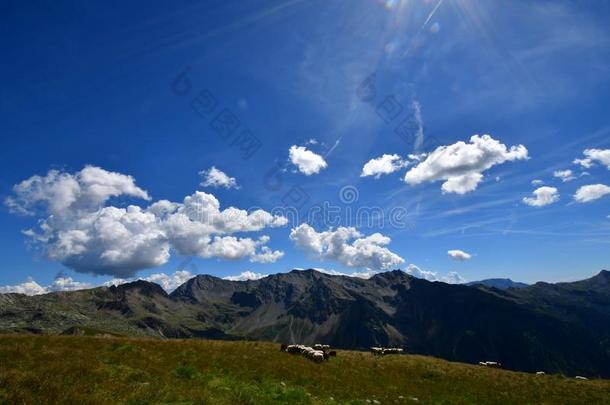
564,175
459,255
217,178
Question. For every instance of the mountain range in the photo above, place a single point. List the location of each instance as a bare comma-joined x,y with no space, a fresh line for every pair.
562,327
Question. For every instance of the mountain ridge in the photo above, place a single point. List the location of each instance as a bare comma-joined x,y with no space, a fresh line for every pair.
554,327
500,283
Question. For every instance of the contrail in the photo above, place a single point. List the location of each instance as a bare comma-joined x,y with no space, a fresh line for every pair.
432,13
423,26
334,146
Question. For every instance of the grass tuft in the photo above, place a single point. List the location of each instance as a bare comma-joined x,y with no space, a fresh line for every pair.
187,372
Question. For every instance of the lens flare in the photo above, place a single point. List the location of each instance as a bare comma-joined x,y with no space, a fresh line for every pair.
391,46
390,4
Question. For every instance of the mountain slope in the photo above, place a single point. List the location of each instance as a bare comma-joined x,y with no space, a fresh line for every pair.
499,283
551,327
585,303
80,370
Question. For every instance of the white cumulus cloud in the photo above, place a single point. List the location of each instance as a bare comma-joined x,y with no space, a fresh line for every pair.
63,283
591,192
79,229
217,178
537,182
267,255
347,246
31,287
593,156
459,255
363,274
461,165
451,278
58,192
169,282
564,175
366,274
385,164
199,227
246,275
542,196
306,161
412,270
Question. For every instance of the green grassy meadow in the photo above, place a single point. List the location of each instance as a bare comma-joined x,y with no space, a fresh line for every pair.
110,370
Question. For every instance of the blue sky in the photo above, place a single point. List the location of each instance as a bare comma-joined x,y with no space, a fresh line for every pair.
88,84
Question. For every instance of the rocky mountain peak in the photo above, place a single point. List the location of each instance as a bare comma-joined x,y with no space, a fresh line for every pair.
144,287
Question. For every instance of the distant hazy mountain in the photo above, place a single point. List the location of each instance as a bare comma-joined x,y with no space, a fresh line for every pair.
552,327
500,283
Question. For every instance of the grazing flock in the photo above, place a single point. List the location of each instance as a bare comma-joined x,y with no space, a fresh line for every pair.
493,364
317,353
381,351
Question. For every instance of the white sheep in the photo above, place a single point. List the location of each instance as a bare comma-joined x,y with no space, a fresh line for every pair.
387,350
317,356
494,364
